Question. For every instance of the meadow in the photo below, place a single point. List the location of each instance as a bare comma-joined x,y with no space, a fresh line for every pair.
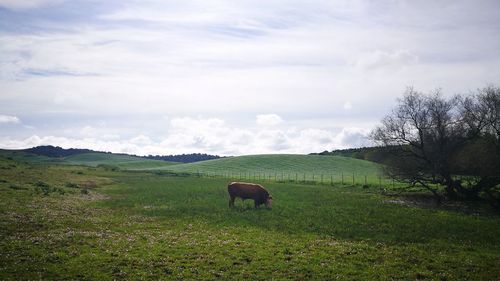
92,159
60,221
287,168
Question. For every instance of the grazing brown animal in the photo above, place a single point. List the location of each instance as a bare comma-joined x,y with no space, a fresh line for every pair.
253,191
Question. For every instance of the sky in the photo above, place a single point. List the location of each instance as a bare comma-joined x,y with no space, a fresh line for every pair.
230,77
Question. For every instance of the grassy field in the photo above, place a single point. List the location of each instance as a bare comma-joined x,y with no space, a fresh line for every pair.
273,167
126,162
22,156
281,167
120,161
73,222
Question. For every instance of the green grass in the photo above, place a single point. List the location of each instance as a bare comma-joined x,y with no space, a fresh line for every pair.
283,167
121,161
126,162
22,156
137,225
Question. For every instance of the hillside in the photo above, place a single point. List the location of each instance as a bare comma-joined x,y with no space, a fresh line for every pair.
284,166
23,156
59,152
122,161
271,166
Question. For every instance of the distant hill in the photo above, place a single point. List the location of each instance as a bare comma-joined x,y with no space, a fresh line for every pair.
122,161
59,152
316,168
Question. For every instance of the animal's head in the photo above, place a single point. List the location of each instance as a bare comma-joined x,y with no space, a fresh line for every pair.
269,202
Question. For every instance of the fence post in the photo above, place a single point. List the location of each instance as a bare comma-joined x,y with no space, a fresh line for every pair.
321,178
331,179
342,178
304,177
365,179
353,179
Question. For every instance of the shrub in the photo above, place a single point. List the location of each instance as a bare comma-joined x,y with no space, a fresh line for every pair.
108,167
16,187
46,189
71,185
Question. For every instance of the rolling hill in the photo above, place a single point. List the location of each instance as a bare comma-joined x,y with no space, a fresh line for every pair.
121,161
284,166
59,152
23,156
312,168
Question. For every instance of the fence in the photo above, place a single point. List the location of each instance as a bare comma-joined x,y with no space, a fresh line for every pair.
350,179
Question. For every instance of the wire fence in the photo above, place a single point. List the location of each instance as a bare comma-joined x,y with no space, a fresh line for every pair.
351,179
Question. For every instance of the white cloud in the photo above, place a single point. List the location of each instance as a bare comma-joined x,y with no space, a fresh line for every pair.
347,105
9,119
206,135
27,4
353,137
382,59
141,140
268,119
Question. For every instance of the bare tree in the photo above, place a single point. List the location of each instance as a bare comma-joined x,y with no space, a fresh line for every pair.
429,134
481,157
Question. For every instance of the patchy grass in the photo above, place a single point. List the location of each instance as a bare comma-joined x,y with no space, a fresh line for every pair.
133,225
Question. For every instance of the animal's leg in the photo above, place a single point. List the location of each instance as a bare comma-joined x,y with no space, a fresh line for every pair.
231,201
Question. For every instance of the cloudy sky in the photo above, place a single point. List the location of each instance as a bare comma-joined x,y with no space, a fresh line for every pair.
230,77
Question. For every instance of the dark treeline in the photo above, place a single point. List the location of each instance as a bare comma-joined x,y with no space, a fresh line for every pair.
184,158
56,152
375,154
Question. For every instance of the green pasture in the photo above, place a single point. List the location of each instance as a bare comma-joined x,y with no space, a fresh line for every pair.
273,167
93,159
289,168
127,162
22,156
60,222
